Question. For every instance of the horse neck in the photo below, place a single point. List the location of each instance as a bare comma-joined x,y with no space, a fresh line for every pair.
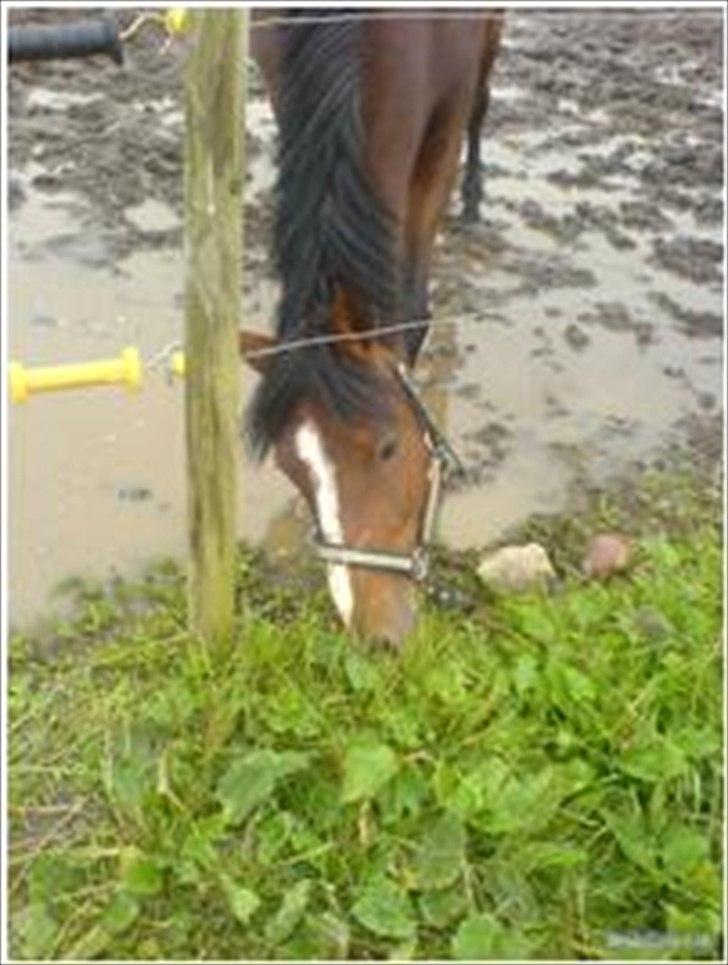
333,237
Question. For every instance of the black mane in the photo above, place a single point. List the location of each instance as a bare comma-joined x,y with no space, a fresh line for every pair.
331,233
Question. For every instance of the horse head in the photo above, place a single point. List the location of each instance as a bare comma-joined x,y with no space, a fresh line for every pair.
370,474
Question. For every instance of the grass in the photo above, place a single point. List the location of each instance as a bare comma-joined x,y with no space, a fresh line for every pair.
537,777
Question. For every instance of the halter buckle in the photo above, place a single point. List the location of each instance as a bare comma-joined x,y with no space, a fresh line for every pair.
420,564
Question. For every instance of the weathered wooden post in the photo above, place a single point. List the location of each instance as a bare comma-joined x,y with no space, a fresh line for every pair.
214,177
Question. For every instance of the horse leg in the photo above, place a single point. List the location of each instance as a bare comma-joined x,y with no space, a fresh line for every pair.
432,182
472,190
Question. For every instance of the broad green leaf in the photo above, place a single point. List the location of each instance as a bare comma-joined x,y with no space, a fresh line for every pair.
440,857
121,912
404,952
131,776
51,873
544,854
290,912
446,683
445,780
466,798
578,684
695,932
404,794
654,759
567,685
483,936
590,606
140,875
250,781
119,915
332,935
302,946
536,623
693,921
703,880
577,775
91,944
404,725
385,909
242,902
38,931
682,849
698,742
509,887
524,804
440,908
290,712
197,853
272,834
361,673
634,838
367,768
663,552
525,674
464,793
477,937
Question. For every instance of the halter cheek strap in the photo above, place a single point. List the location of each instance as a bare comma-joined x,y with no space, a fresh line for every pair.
443,462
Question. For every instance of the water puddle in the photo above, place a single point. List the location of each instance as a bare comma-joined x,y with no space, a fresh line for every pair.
40,98
152,215
560,352
96,477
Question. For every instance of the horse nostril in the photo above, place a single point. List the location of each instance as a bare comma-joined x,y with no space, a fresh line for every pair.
385,641
387,449
387,631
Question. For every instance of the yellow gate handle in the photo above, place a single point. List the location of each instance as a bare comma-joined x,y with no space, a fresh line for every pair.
177,364
124,370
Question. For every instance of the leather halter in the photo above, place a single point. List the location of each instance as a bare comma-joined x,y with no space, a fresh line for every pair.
443,462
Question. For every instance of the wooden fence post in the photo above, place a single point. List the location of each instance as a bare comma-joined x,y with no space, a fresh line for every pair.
214,177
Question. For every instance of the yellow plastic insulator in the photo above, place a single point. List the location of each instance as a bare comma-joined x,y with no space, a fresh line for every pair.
177,364
124,370
177,21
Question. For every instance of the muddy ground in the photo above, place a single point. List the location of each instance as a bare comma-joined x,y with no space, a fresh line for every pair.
579,328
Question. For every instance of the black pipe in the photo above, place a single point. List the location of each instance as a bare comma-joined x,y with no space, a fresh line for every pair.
70,40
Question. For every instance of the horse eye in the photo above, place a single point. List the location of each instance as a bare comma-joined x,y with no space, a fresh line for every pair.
387,448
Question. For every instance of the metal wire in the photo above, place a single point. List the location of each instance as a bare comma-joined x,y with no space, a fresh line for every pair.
141,21
161,358
372,15
402,14
366,333
669,14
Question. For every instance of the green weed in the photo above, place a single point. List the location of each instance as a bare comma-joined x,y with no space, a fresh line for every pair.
536,777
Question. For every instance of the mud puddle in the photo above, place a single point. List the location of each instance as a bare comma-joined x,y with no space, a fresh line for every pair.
578,329
96,477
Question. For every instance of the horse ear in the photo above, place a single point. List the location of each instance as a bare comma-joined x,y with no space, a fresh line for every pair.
413,342
249,343
406,349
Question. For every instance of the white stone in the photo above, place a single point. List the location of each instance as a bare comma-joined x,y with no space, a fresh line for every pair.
517,568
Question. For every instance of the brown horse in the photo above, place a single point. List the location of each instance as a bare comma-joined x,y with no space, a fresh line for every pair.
371,114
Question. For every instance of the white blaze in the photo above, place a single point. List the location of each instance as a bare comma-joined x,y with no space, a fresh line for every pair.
311,451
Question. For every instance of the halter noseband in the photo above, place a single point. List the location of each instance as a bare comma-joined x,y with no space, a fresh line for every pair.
443,461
